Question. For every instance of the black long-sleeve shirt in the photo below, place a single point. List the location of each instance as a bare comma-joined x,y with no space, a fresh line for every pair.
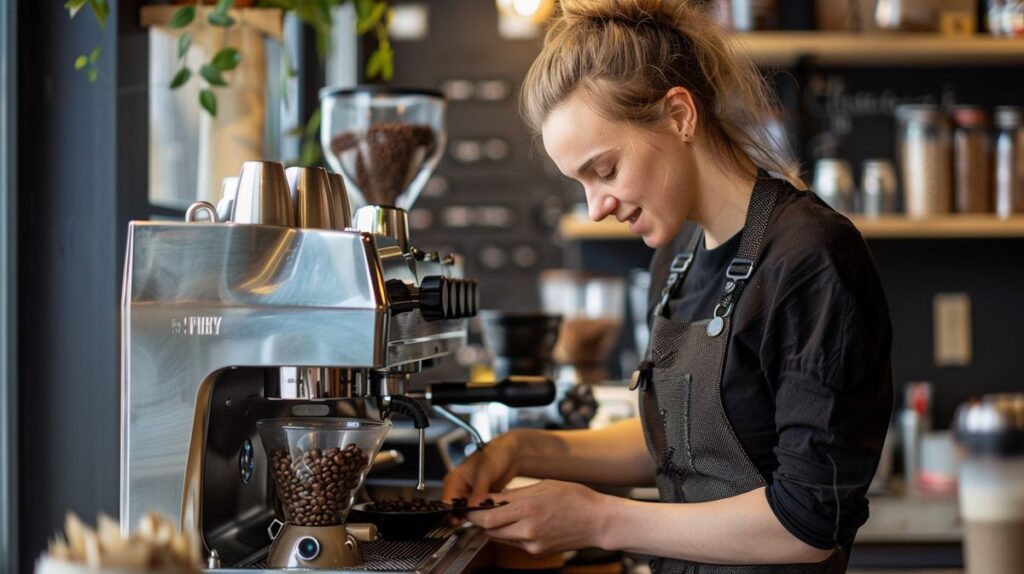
807,383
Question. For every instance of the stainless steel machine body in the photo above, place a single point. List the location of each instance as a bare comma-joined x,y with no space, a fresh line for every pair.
211,312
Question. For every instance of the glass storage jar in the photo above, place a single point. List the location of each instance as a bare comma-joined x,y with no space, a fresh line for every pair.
925,145
1009,161
971,163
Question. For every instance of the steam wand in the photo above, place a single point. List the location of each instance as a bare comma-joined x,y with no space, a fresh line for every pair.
413,410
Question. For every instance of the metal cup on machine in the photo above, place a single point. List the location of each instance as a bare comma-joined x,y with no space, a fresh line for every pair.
263,196
310,194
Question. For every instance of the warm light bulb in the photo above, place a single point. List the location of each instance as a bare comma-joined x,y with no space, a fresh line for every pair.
526,8
532,10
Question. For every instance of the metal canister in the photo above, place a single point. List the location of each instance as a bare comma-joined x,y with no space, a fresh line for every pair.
925,156
991,483
1009,188
972,170
879,190
833,183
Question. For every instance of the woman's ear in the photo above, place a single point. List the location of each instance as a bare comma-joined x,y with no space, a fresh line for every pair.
681,111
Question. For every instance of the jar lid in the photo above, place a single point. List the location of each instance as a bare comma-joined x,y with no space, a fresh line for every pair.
919,112
992,425
1009,116
970,116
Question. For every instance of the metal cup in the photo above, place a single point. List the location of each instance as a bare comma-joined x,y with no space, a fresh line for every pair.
310,193
228,191
341,209
262,196
878,184
833,183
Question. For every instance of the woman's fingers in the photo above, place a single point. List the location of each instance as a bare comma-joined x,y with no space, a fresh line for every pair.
481,486
498,517
456,485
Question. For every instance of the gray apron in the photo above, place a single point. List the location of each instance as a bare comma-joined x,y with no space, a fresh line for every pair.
698,456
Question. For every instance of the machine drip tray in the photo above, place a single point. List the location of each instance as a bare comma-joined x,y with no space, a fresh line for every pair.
447,550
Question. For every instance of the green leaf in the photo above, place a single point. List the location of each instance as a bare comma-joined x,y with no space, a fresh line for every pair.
224,5
295,132
306,11
208,100
212,75
310,154
282,4
93,74
226,59
323,7
184,41
94,55
323,43
220,19
365,25
313,125
375,64
363,8
181,77
80,62
183,17
73,6
101,10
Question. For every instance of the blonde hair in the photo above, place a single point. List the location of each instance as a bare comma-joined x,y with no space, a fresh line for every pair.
623,56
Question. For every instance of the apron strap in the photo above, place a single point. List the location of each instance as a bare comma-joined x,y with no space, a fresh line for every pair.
762,203
677,272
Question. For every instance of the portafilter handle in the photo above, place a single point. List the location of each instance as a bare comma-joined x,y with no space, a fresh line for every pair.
514,391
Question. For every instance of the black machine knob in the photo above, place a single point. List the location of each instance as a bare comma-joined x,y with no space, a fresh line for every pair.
435,301
399,296
448,298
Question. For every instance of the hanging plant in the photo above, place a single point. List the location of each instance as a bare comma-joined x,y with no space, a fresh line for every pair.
371,16
101,10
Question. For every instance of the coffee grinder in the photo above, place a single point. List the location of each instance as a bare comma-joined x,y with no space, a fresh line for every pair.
592,309
317,465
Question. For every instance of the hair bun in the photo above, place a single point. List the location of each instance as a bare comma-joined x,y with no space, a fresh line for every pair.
630,11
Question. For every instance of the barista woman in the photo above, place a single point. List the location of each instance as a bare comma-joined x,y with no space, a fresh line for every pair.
767,391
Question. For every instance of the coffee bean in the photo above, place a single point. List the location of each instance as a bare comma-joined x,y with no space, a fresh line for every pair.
402,505
315,486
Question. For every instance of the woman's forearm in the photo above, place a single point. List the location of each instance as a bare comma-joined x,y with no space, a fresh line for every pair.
737,530
615,455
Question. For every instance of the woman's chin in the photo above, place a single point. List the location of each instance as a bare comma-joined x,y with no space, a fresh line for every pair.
654,240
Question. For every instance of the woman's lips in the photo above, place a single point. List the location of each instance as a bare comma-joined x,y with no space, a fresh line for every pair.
634,220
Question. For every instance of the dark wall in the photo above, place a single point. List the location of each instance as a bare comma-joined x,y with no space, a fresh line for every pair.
82,169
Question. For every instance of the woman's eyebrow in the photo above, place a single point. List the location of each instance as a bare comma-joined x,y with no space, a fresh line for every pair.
586,165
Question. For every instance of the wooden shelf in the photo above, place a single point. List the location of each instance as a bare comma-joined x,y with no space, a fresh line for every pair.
578,228
785,48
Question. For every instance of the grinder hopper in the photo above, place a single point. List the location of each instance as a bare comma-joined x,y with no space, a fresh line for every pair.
384,142
317,465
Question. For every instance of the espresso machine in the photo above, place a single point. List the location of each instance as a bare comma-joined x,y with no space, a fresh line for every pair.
275,327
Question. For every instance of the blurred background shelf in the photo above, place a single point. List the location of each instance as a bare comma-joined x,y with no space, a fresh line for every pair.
575,227
785,48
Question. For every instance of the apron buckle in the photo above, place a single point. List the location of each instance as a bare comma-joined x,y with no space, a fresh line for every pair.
642,376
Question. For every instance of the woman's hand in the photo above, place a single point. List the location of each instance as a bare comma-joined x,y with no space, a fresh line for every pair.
550,516
485,471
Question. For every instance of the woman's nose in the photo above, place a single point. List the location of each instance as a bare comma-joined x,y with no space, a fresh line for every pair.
601,206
